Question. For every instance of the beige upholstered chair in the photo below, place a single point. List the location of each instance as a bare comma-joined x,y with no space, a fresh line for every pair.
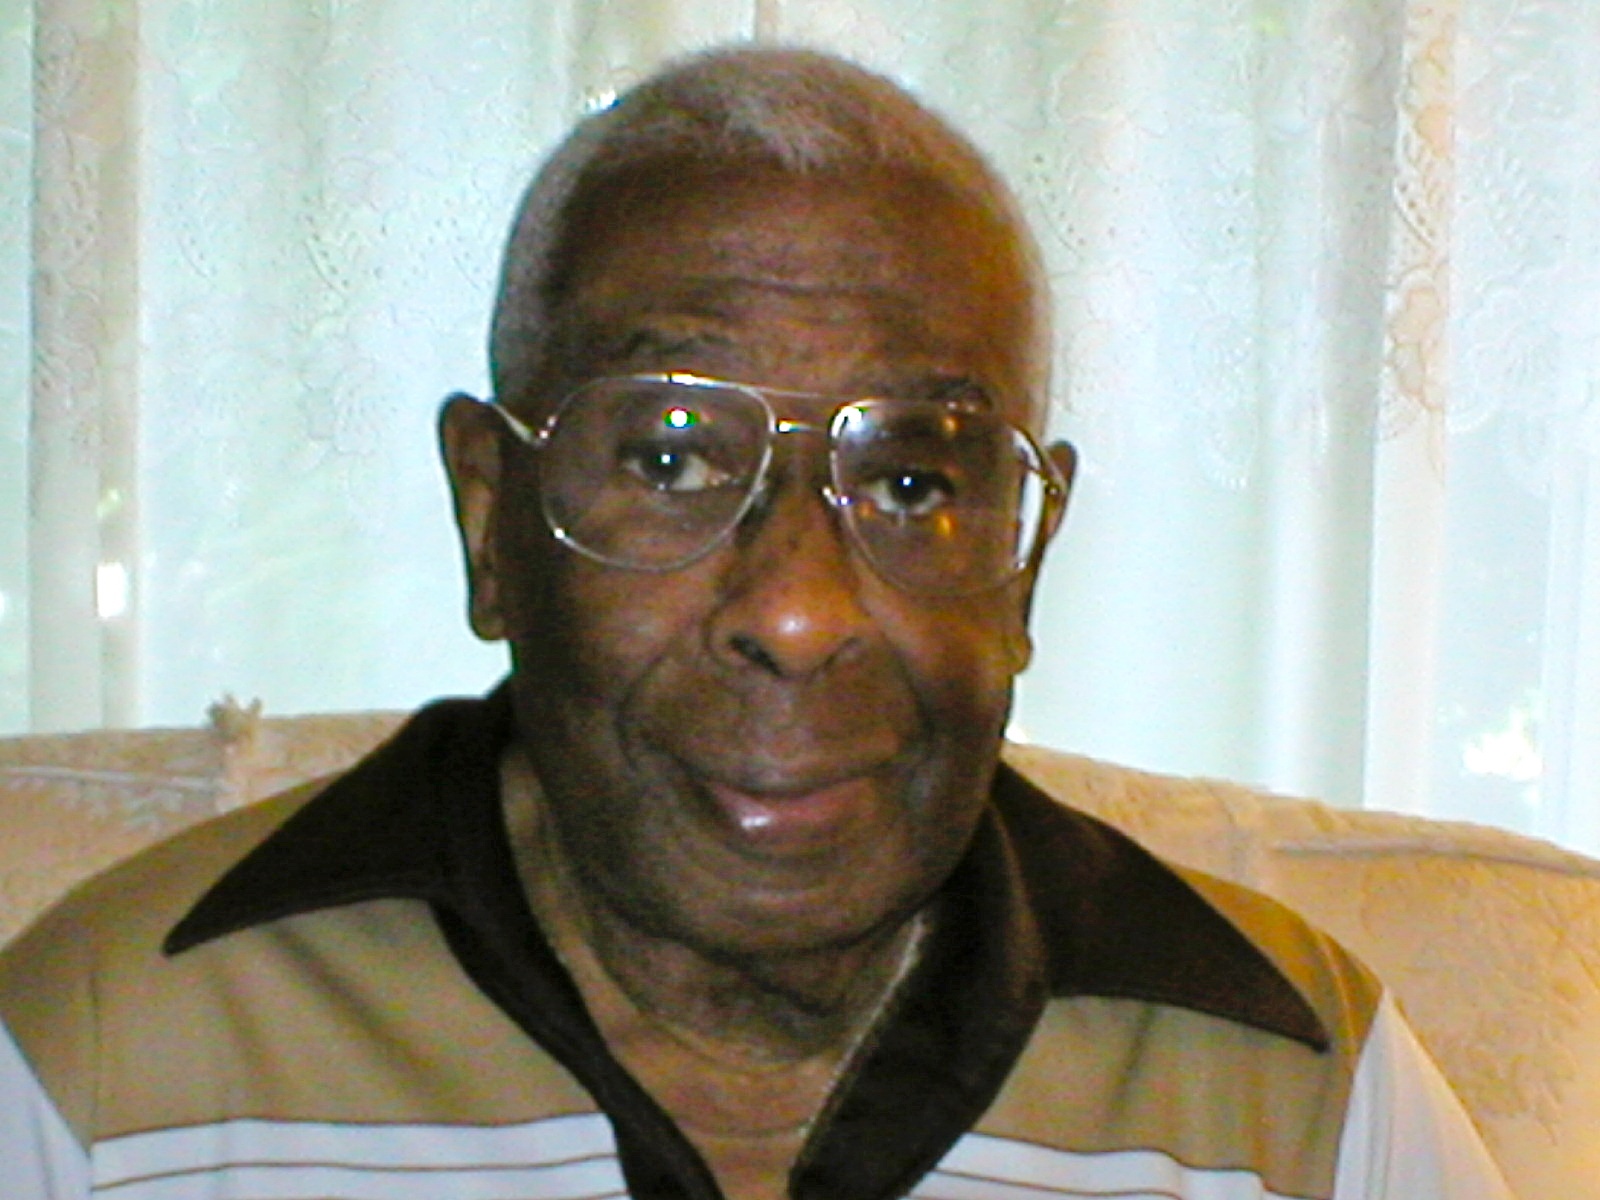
1491,941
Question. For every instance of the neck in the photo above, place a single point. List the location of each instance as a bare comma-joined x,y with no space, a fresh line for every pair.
757,1010
742,1054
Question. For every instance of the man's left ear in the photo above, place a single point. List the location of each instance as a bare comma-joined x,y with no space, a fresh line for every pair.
1019,646
1063,457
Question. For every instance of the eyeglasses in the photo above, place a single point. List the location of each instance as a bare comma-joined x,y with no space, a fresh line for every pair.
651,472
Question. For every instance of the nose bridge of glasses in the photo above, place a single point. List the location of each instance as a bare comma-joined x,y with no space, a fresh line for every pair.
788,439
796,466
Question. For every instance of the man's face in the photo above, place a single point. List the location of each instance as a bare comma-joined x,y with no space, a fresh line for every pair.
771,750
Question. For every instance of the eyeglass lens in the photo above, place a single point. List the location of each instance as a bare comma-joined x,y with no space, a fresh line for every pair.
650,474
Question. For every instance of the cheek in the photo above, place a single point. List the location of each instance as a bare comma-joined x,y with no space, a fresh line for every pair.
598,630
964,657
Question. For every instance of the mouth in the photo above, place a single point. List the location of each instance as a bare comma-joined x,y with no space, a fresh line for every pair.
795,819
799,785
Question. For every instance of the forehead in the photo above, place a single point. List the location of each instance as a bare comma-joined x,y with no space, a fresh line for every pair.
831,280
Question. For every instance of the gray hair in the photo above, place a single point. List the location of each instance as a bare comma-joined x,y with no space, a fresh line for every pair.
798,110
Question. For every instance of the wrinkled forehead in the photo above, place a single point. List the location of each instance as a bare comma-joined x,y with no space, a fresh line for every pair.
677,232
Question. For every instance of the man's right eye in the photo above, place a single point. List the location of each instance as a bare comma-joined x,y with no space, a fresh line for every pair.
672,468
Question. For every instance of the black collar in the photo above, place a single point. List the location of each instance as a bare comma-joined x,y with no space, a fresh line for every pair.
1048,901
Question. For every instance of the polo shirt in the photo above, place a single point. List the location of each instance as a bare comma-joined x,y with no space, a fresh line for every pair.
342,994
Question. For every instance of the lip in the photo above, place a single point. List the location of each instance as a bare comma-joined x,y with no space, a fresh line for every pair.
797,819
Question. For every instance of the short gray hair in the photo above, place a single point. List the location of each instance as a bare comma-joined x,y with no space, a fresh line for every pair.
801,111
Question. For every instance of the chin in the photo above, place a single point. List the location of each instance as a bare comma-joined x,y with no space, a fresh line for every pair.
831,915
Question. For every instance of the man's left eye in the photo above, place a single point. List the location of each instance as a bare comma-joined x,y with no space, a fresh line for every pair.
909,493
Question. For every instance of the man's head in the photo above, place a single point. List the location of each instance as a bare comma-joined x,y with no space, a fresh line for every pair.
780,743
797,112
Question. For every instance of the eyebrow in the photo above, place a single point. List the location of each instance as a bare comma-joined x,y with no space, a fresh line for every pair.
638,346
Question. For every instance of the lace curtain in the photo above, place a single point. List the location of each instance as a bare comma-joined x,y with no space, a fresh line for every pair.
1328,282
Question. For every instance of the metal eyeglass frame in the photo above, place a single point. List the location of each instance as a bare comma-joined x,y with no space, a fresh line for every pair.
537,439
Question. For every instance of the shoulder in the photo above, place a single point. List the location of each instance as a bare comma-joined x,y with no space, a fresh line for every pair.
1119,922
106,935
131,905
1343,990
1191,1018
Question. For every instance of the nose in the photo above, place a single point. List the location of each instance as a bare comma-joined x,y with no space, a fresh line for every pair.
791,606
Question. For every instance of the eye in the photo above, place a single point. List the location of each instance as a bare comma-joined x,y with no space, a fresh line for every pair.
909,492
667,466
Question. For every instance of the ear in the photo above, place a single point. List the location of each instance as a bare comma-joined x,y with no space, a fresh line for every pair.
1064,457
1019,646
470,436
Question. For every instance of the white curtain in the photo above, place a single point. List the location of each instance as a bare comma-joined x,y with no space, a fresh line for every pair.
1328,283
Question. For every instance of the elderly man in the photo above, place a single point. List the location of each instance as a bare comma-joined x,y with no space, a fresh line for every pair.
723,892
